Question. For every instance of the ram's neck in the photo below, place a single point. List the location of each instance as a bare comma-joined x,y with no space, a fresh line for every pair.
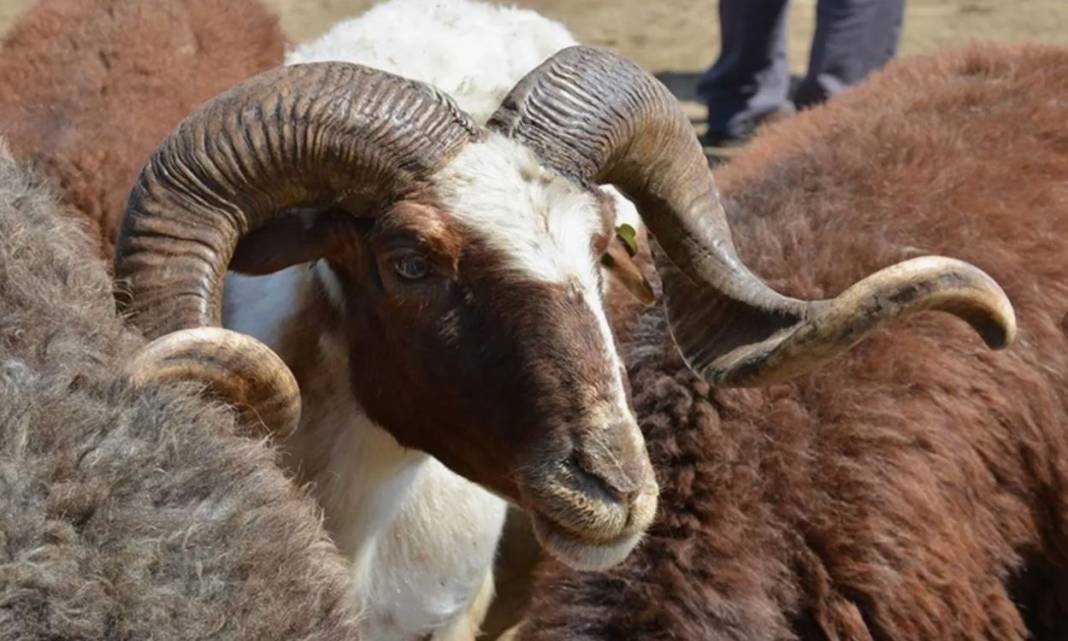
356,469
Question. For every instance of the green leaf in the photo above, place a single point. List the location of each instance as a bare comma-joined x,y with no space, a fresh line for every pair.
629,236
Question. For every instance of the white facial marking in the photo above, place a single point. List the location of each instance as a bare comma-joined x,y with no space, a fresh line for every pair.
541,221
626,212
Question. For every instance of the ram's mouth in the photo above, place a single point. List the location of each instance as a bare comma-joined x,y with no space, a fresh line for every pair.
586,527
579,553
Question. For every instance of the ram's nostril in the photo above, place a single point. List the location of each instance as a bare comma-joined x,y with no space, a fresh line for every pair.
591,481
613,460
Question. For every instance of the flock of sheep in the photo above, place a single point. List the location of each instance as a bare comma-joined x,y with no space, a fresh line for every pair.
430,317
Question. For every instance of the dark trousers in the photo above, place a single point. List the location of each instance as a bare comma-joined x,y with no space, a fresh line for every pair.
751,77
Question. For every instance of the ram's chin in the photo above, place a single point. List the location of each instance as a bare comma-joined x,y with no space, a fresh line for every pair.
580,554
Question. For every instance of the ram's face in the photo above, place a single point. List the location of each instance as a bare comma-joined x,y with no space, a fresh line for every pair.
478,334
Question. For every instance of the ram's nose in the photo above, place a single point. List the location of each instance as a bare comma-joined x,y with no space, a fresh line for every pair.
615,459
605,488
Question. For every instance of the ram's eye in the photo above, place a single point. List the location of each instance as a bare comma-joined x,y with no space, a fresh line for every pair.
411,266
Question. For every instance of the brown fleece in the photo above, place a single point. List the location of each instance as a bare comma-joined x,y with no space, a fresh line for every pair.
917,487
88,88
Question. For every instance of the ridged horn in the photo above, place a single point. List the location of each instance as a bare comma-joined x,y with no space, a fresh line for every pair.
601,119
323,135
236,368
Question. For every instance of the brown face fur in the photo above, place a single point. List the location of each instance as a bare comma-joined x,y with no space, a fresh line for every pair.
469,362
506,380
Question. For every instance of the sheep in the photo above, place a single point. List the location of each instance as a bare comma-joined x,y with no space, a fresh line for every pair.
446,272
427,567
916,489
90,88
127,513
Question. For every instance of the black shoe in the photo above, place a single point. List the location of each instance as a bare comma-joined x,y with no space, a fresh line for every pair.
727,142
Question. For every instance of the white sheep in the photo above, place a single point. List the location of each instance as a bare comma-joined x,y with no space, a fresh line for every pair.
473,51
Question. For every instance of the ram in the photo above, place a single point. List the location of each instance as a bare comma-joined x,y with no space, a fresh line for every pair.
132,513
915,490
422,538
454,275
89,88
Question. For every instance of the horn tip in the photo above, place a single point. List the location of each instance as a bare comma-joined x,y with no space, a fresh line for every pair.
233,368
999,330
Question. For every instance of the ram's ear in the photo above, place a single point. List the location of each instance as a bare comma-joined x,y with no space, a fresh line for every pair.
300,236
620,264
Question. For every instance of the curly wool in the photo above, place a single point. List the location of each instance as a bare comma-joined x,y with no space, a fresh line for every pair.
473,51
916,488
128,514
88,88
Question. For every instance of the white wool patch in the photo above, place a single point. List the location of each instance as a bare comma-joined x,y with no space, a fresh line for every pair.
432,560
328,280
473,51
263,306
626,212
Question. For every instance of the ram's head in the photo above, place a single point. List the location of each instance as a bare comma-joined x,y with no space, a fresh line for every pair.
465,264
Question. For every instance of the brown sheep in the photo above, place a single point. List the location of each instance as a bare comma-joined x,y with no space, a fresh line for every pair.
90,88
917,488
124,513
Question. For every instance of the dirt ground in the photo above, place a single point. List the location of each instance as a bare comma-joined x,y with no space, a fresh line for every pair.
679,38
681,35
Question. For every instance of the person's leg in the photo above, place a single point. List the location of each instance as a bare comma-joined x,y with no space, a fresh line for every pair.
751,78
853,38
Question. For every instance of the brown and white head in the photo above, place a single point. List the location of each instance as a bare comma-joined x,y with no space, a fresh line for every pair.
467,268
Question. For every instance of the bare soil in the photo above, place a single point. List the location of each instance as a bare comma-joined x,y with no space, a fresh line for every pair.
678,39
681,35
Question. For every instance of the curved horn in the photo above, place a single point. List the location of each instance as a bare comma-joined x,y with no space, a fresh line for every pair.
598,118
925,283
334,135
235,368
